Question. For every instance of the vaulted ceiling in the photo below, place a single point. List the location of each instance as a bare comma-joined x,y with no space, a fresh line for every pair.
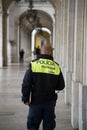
45,19
6,3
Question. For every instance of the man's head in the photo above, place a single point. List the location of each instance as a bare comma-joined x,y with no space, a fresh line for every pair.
45,48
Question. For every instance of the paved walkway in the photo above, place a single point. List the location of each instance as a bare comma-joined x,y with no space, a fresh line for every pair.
13,112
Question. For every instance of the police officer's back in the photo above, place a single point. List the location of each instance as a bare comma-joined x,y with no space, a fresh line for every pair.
41,80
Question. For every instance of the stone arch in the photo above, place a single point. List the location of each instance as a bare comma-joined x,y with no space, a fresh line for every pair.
21,14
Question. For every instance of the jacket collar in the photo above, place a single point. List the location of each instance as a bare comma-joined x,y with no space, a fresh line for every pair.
45,56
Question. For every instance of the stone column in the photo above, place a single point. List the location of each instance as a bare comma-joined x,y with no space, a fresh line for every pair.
56,46
58,32
17,42
83,87
66,30
56,29
0,40
69,45
85,46
17,34
53,40
19,38
78,63
4,38
61,33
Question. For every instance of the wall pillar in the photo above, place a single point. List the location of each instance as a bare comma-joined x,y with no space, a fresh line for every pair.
0,40
66,33
4,38
53,40
78,62
57,31
83,87
13,33
85,46
70,8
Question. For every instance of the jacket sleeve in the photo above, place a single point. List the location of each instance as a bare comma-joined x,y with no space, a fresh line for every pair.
27,85
60,82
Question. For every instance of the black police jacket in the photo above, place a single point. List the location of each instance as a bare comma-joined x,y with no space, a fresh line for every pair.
42,78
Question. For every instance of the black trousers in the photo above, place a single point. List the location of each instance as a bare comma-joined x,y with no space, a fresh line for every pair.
42,112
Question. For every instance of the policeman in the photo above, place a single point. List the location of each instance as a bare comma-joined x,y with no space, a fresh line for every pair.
42,78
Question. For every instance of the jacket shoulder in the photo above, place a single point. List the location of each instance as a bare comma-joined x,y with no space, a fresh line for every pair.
34,60
56,63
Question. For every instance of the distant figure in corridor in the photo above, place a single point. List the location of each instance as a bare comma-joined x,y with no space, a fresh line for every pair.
42,79
21,55
37,51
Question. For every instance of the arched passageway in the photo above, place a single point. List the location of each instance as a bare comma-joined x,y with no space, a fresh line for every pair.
66,19
19,29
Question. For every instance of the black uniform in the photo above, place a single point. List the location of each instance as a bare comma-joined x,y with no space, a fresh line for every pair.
41,79
42,84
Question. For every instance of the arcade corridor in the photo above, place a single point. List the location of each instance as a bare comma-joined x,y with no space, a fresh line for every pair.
64,24
13,113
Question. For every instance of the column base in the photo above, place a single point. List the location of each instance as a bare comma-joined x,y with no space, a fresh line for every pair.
82,107
74,104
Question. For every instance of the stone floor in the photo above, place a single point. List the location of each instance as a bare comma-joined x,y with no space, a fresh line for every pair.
13,112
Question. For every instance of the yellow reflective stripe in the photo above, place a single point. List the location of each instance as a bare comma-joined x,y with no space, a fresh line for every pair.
45,66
